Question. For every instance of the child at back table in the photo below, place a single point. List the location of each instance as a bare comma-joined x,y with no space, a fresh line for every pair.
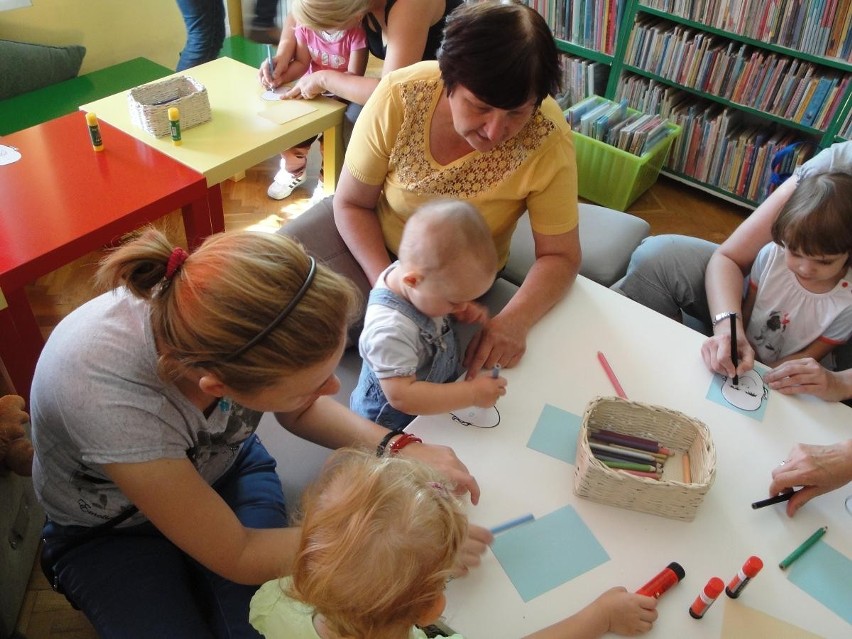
799,301
379,541
409,346
329,36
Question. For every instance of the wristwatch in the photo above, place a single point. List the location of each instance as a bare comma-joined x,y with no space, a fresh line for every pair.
723,316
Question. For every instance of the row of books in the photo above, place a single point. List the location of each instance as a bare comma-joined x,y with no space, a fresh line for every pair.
612,123
790,88
717,146
819,27
581,78
846,127
592,24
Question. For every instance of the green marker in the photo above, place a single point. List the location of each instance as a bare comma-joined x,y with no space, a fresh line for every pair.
801,550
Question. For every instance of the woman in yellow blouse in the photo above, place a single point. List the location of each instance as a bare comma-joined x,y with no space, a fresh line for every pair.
478,125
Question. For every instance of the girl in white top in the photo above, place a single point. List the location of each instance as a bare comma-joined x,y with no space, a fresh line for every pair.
799,302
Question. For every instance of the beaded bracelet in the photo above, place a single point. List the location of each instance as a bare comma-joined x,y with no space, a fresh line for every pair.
403,441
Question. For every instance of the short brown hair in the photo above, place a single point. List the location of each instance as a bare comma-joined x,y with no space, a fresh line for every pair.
225,294
379,539
817,218
502,52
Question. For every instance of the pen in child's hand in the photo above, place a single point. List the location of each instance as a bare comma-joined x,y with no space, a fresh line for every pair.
271,63
734,354
495,371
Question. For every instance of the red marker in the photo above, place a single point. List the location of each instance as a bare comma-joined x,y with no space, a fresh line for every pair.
749,570
706,597
667,578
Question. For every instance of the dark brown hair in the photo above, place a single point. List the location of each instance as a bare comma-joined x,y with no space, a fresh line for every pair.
817,219
502,52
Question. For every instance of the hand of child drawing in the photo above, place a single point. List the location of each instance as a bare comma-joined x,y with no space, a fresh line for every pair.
267,78
308,87
487,389
628,613
716,352
470,554
818,469
807,375
471,313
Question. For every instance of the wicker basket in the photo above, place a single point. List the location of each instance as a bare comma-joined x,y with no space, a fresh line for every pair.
673,499
149,104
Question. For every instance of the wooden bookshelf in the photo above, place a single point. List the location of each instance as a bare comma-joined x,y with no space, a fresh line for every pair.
781,78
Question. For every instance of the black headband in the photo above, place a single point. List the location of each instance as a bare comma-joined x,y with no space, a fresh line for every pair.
254,341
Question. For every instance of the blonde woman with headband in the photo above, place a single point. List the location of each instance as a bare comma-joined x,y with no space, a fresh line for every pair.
164,510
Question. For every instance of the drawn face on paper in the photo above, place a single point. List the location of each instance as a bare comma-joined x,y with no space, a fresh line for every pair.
478,417
748,394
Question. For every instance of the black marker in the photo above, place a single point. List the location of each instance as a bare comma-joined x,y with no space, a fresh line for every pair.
734,354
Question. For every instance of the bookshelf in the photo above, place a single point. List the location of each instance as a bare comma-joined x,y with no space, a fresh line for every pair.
743,78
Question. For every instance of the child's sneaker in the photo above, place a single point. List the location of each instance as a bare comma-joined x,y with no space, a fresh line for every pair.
284,184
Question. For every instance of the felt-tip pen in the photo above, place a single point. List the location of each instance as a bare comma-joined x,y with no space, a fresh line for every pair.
506,525
785,496
802,549
495,371
271,62
665,579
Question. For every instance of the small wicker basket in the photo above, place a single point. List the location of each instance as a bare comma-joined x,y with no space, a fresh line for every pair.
149,104
674,430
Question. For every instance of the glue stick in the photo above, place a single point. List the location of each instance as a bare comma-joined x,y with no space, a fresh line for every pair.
95,132
667,578
749,570
706,597
174,125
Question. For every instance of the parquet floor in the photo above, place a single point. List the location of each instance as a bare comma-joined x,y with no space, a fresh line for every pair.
668,206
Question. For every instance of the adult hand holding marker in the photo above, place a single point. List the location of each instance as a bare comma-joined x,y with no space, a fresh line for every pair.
817,469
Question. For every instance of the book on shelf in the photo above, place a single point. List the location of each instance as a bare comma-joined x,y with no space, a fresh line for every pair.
815,103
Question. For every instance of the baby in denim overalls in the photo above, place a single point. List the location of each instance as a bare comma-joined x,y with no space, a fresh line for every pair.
446,260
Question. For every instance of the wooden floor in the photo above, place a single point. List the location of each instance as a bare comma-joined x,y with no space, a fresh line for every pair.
668,206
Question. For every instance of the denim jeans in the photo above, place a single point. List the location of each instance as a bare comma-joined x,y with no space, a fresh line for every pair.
205,31
133,582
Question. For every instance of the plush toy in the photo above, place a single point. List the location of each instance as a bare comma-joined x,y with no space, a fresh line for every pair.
16,451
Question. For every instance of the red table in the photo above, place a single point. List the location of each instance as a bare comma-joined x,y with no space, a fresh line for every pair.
62,200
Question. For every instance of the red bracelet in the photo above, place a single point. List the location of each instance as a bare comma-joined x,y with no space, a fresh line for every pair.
404,440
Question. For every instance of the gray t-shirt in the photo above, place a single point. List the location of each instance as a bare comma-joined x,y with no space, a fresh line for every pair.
97,399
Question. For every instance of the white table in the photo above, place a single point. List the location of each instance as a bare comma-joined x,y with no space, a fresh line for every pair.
657,362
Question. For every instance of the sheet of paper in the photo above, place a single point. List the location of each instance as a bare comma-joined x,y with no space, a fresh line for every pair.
742,621
547,552
826,575
555,433
8,154
749,397
286,110
275,94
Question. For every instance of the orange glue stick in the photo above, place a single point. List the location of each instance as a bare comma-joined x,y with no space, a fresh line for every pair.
706,597
95,132
667,578
749,570
174,125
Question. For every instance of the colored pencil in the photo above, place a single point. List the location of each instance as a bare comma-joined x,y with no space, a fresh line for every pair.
611,374
506,525
803,548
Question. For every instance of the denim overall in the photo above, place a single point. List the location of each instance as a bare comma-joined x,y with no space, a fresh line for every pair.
368,400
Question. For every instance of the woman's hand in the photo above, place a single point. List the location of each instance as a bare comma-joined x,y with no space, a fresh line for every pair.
444,460
809,376
308,87
470,555
818,469
716,351
501,341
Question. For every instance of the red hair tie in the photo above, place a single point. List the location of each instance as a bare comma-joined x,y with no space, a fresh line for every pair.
176,260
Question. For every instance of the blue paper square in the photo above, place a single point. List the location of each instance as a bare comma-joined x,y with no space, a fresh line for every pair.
826,575
547,552
555,433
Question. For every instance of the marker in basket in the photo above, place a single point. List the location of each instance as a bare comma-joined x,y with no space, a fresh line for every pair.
95,132
751,567
631,441
495,371
706,597
625,465
668,577
611,374
687,469
606,449
174,125
785,496
512,523
801,550
734,354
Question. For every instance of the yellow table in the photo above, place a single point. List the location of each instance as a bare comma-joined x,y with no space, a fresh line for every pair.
240,133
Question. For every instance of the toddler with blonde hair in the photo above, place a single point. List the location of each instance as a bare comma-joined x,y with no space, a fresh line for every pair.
380,538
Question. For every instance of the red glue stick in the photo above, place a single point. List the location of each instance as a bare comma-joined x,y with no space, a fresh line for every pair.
706,597
667,578
750,568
